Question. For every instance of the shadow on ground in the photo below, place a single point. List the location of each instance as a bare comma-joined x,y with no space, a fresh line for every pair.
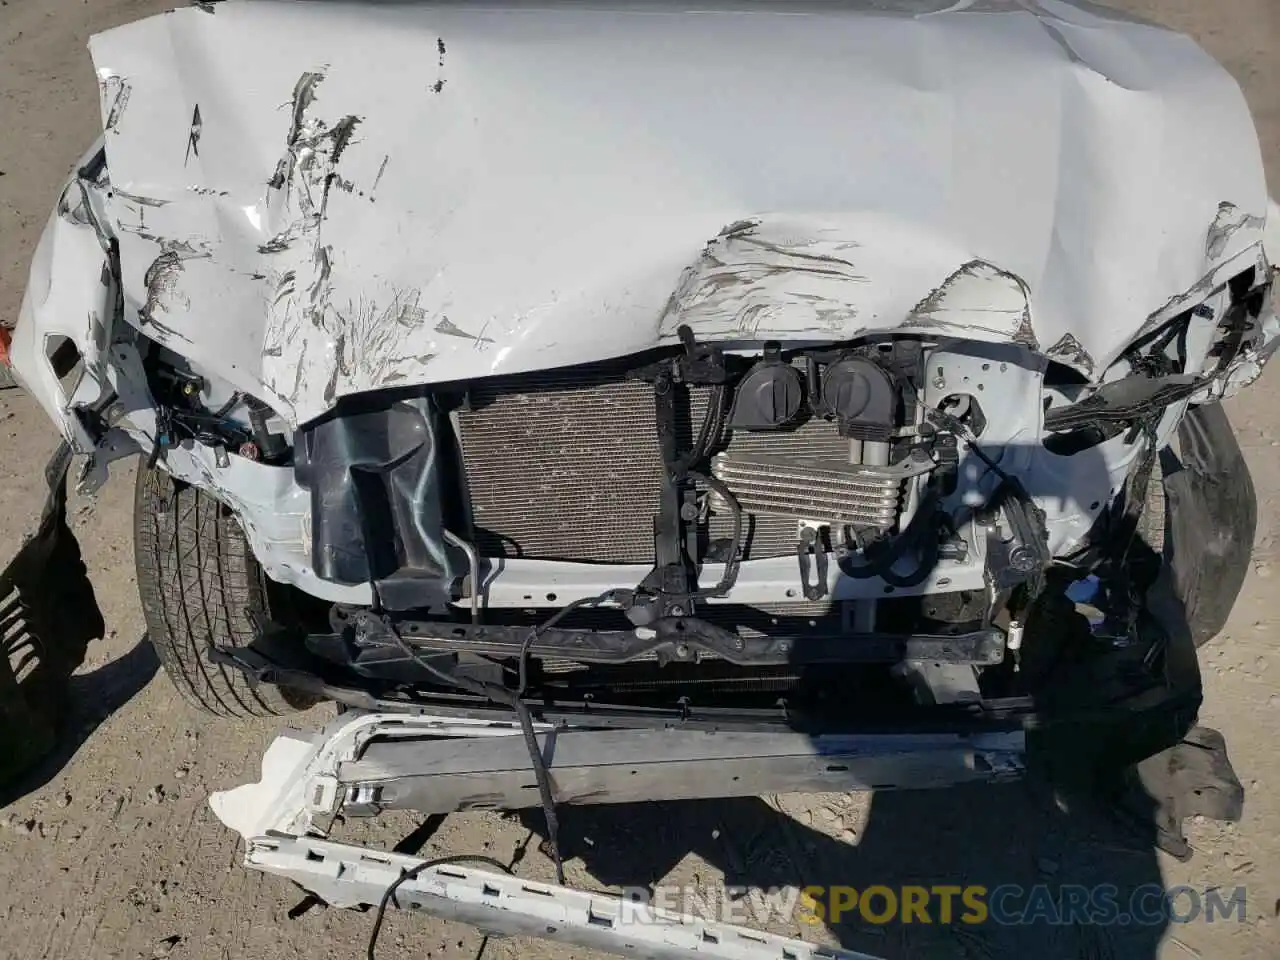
91,697
1025,836
985,836
1070,833
1065,860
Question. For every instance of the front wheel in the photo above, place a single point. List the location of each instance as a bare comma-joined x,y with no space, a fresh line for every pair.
1154,519
200,585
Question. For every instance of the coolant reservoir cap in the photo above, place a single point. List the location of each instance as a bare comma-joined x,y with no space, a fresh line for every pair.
856,390
768,397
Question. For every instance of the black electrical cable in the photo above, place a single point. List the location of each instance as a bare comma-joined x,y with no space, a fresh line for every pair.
514,700
504,697
390,895
734,561
917,531
523,655
709,431
230,405
956,426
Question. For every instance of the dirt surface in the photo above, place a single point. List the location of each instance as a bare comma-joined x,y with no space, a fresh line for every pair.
112,852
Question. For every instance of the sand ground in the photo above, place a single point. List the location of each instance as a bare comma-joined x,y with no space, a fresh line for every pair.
116,855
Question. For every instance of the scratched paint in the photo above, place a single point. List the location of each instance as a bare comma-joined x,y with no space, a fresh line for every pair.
554,200
1230,222
979,296
451,329
498,192
1069,351
193,135
115,92
755,276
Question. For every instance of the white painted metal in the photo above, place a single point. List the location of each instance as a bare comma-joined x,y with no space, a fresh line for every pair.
319,199
634,766
304,211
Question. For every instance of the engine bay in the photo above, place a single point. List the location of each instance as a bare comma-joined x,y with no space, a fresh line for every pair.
886,465
739,527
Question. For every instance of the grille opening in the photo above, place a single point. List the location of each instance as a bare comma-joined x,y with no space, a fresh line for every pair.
565,465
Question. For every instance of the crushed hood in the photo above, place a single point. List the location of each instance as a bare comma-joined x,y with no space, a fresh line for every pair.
315,200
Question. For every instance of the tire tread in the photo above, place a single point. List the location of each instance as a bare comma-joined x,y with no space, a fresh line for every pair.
200,586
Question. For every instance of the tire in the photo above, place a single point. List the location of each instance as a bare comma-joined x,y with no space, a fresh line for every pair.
200,585
1155,518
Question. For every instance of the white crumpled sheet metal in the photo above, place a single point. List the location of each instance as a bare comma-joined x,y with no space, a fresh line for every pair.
316,199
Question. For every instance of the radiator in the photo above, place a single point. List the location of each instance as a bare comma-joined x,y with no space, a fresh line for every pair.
565,465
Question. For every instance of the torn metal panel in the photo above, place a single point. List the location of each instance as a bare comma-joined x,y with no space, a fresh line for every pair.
64,298
1068,350
372,224
1230,222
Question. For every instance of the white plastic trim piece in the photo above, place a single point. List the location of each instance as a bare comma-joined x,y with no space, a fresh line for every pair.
496,903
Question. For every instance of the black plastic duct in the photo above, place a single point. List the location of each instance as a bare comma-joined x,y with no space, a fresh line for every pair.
376,514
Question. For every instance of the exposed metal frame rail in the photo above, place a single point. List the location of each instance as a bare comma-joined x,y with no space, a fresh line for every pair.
676,639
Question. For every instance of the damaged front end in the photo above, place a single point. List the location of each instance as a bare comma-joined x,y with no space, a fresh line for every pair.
756,427
794,406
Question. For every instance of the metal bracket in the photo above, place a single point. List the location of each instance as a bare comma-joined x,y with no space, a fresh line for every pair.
628,766
811,546
1025,556
678,638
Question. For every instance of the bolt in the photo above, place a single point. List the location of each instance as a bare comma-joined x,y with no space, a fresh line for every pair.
738,644
939,383
682,650
675,610
688,512
1022,559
